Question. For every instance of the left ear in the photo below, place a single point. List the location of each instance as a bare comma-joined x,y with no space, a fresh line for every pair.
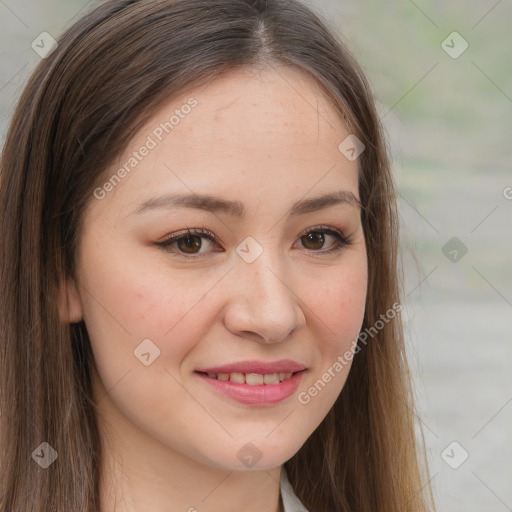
70,304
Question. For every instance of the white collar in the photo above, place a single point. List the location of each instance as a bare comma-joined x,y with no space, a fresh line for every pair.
290,501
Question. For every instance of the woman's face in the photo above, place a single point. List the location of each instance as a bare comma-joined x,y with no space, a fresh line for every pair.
256,302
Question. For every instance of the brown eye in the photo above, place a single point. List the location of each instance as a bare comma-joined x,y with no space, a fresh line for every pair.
189,243
316,238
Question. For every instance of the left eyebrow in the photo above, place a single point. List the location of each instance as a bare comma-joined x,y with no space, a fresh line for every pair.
215,204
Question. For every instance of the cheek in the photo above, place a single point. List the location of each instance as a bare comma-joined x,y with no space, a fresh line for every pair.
127,302
127,307
337,312
338,307
138,299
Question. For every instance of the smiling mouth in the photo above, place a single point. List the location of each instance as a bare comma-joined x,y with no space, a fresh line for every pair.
252,379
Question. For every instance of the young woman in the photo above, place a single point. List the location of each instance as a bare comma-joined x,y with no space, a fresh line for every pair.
200,298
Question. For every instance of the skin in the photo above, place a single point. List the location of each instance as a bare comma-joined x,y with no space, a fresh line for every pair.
267,138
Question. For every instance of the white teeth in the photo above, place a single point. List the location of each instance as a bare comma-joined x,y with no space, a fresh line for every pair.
239,378
271,378
253,379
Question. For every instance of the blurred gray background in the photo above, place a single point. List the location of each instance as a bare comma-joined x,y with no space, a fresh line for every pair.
445,100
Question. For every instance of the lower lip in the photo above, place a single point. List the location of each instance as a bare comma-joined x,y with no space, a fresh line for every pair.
262,394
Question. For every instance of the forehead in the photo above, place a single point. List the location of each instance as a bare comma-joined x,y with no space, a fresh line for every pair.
265,133
274,101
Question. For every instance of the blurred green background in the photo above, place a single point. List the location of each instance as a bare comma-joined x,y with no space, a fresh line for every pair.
448,123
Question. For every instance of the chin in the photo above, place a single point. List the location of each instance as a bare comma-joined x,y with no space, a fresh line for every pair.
261,454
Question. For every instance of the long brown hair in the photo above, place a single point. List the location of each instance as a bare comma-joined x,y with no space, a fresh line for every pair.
110,73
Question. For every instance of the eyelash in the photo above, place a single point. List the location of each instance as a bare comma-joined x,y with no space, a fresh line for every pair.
342,241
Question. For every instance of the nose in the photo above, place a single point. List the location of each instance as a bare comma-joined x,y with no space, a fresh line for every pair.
262,304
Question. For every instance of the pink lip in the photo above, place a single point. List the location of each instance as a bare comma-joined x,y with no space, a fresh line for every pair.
261,367
264,394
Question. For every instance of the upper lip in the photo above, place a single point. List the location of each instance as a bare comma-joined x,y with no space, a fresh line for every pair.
260,367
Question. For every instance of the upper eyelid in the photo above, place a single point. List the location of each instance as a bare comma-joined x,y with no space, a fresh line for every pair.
204,232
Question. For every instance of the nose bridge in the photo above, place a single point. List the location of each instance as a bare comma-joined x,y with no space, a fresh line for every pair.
263,302
266,277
